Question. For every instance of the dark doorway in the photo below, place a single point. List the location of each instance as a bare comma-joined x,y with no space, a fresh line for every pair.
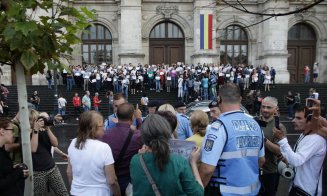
301,47
166,44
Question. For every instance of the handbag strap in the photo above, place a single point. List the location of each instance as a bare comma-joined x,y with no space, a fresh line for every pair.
123,150
149,177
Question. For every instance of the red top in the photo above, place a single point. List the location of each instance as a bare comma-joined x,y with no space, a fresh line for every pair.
76,101
96,101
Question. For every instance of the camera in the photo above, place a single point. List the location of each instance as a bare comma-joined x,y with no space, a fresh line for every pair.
285,170
47,122
22,165
261,122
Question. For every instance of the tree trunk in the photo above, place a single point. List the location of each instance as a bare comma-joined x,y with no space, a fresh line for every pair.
24,126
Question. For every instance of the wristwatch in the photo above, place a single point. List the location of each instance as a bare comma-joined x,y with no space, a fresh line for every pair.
35,131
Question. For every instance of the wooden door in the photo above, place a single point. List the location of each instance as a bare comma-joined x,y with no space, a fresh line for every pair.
166,51
299,56
292,64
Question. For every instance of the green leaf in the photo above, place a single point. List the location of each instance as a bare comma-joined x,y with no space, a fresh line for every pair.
9,33
26,27
29,59
87,12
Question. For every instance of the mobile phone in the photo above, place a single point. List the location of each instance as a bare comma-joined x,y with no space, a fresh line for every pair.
277,122
137,106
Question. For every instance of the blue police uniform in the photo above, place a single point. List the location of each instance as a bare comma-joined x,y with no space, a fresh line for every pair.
184,130
233,145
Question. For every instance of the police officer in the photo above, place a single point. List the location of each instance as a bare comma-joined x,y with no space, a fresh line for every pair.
232,150
214,110
184,130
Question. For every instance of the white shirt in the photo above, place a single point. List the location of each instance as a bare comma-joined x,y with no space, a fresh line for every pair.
88,168
307,160
180,82
62,102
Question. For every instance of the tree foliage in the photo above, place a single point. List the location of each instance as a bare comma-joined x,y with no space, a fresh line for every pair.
37,40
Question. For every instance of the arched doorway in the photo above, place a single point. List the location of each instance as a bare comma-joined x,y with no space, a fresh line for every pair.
96,45
301,46
166,44
234,45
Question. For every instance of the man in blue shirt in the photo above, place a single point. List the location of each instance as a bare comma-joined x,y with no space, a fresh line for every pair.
112,120
232,149
184,130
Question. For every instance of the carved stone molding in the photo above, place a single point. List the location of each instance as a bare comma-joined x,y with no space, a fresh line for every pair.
167,11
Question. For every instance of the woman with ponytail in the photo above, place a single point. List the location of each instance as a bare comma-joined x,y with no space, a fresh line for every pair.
173,174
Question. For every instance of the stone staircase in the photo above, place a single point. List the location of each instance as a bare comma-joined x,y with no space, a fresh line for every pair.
49,102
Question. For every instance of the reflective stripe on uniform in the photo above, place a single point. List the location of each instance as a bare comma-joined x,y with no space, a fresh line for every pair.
240,153
239,190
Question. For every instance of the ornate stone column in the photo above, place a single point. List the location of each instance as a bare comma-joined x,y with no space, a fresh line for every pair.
274,39
130,38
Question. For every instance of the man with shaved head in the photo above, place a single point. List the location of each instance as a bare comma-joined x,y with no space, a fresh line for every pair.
124,143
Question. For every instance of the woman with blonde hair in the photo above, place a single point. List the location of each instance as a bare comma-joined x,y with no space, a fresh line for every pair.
199,121
90,167
167,107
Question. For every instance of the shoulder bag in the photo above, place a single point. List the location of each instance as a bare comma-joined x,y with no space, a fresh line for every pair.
149,177
123,150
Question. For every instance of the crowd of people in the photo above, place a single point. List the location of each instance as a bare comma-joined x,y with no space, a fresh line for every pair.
130,153
193,82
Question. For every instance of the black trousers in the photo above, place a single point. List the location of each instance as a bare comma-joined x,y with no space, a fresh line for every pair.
269,184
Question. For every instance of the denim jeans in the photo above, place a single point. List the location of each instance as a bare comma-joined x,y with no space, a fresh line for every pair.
205,93
307,78
49,83
69,84
116,88
290,110
150,83
125,92
97,85
62,111
86,108
157,85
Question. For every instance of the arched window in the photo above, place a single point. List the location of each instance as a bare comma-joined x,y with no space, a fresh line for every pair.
97,45
301,31
234,45
166,30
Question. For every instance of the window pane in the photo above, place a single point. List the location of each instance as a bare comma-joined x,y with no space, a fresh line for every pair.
85,58
108,54
162,30
229,53
237,33
170,30
243,35
230,32
244,49
92,32
236,54
93,53
100,32
85,35
108,34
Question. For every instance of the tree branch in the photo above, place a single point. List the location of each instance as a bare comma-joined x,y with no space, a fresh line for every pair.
273,15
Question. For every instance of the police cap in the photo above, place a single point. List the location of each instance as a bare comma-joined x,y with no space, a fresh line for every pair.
179,104
153,104
213,104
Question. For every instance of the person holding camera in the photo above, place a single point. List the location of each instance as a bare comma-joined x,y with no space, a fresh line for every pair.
11,176
46,173
308,155
267,121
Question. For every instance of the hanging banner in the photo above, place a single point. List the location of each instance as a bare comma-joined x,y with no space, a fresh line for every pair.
205,31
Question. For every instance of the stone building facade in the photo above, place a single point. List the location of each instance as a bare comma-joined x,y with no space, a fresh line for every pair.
168,31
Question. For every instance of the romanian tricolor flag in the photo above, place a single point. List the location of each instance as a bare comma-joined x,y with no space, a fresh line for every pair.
205,31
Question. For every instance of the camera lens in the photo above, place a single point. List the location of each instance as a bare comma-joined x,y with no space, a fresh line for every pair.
288,174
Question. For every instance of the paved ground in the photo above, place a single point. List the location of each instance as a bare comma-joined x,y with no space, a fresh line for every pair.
65,133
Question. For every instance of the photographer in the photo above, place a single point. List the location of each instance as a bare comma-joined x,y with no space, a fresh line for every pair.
268,120
46,173
11,176
308,155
